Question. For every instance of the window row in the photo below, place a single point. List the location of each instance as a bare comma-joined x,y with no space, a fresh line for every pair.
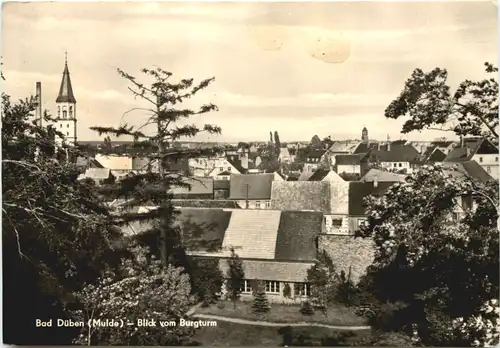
274,287
64,112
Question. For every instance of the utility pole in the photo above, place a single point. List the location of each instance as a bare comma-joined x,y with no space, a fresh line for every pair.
246,196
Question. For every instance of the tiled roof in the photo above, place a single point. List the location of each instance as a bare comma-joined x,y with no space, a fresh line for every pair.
203,229
382,176
459,154
468,168
471,147
139,163
198,186
349,159
97,173
297,235
350,176
359,190
436,156
343,146
258,185
205,203
272,270
301,195
396,153
253,233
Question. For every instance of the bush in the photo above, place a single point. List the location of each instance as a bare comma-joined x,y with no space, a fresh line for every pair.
260,303
388,317
346,293
306,308
287,291
221,305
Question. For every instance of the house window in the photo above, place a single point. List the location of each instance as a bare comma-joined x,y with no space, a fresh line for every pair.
480,159
221,169
268,204
395,164
454,216
361,222
272,287
257,204
400,164
228,169
247,287
488,169
336,222
302,289
496,159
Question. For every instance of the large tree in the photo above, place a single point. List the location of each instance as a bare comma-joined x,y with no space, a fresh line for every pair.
56,234
162,98
442,269
428,102
235,277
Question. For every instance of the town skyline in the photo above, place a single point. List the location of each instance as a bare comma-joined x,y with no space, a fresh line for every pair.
286,68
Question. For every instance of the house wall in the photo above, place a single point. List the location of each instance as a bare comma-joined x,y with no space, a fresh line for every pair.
310,167
348,252
339,197
203,167
489,163
274,297
333,177
351,168
255,204
331,228
221,194
354,223
395,166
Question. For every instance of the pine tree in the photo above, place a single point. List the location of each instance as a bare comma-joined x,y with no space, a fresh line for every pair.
260,304
306,308
235,277
152,188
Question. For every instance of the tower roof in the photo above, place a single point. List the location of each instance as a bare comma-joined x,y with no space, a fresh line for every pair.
66,90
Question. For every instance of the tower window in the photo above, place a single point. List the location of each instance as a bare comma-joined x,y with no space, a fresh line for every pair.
70,111
65,113
60,126
58,111
67,126
67,133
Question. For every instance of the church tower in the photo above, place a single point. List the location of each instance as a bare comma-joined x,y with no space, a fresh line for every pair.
364,135
66,108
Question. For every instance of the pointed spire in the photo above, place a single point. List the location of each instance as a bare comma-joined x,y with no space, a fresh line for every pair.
66,90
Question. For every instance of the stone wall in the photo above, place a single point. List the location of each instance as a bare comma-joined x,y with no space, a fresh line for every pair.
348,251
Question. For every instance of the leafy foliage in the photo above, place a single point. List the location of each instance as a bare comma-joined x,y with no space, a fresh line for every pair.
306,308
429,103
142,290
287,291
207,279
56,233
445,269
324,281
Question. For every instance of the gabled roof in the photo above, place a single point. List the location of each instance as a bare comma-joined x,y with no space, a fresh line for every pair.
354,159
226,172
472,146
297,234
97,173
301,195
198,186
343,146
382,176
66,89
436,156
237,165
205,203
468,169
396,153
305,176
258,186
359,190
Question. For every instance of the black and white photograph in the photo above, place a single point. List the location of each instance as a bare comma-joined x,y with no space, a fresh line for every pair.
252,173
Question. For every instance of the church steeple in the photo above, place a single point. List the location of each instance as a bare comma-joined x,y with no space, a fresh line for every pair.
66,90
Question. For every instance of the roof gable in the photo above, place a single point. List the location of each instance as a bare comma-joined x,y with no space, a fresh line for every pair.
301,195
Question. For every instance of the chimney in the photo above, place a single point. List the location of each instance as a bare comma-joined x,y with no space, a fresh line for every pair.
388,143
38,111
375,181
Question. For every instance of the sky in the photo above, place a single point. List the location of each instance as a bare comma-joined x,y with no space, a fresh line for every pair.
298,68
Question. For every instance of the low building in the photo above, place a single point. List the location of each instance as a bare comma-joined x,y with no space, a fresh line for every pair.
252,191
196,188
382,176
221,189
395,158
99,175
351,164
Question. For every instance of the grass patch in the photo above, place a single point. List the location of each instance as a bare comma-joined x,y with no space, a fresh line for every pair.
283,313
229,334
